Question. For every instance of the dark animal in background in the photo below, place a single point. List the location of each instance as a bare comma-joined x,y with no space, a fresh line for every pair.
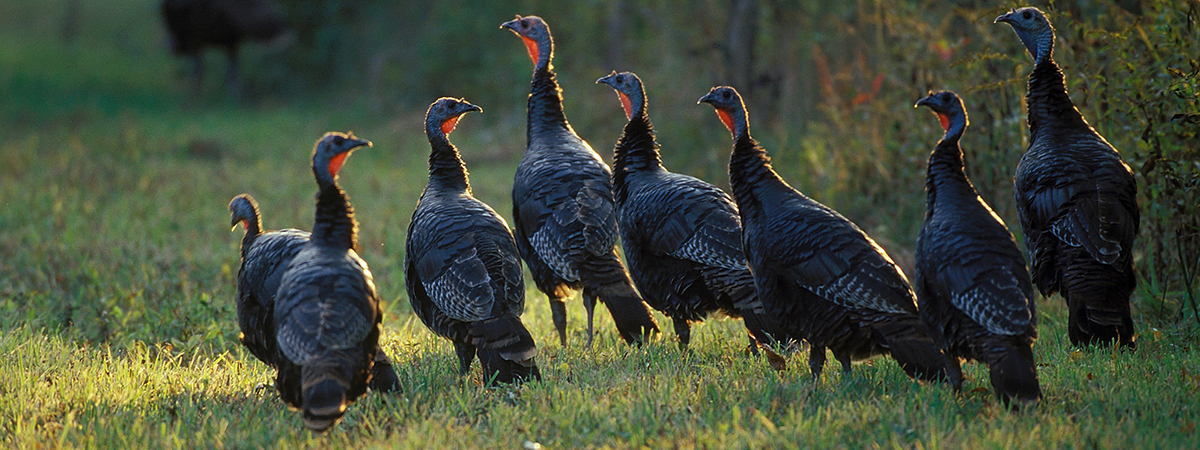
265,256
195,25
461,265
972,286
566,223
682,236
821,276
327,312
1077,201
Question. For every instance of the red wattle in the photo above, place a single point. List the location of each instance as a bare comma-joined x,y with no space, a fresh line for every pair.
335,164
532,46
449,124
945,121
625,103
726,118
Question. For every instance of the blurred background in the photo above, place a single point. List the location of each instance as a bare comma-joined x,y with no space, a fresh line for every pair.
117,163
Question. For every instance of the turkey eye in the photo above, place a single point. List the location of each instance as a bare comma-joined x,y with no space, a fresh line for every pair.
1027,15
338,140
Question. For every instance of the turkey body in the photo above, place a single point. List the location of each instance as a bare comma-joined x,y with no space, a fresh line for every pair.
327,312
971,283
225,24
194,25
824,279
682,236
462,268
1077,201
565,219
265,256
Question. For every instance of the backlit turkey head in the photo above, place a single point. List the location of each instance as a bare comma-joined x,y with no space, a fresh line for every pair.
1034,29
948,107
629,90
444,113
729,107
536,35
331,152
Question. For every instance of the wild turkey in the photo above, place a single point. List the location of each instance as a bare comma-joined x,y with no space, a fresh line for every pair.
461,265
566,225
824,279
327,313
265,256
194,25
972,286
1077,201
682,236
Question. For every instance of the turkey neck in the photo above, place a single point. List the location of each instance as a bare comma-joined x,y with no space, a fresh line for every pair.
253,230
749,169
334,225
545,103
635,152
1048,102
946,174
446,167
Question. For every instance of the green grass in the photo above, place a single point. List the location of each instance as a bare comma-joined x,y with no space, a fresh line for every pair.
117,272
64,393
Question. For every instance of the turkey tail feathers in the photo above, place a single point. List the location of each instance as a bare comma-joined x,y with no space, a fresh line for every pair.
1099,308
327,386
324,404
384,378
1014,373
766,330
630,313
912,347
506,350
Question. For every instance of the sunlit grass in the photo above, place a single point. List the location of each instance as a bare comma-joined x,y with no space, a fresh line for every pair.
612,395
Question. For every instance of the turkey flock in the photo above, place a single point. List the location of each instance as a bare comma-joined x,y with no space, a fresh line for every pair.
793,269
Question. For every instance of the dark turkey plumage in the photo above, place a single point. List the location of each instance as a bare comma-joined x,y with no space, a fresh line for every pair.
566,223
824,279
265,256
682,236
327,312
194,25
461,265
1077,201
972,286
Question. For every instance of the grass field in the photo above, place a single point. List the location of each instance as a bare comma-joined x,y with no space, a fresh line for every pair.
117,274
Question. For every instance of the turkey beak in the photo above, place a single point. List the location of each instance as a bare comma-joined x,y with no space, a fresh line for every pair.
471,107
356,143
704,99
927,101
1006,18
511,25
607,78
